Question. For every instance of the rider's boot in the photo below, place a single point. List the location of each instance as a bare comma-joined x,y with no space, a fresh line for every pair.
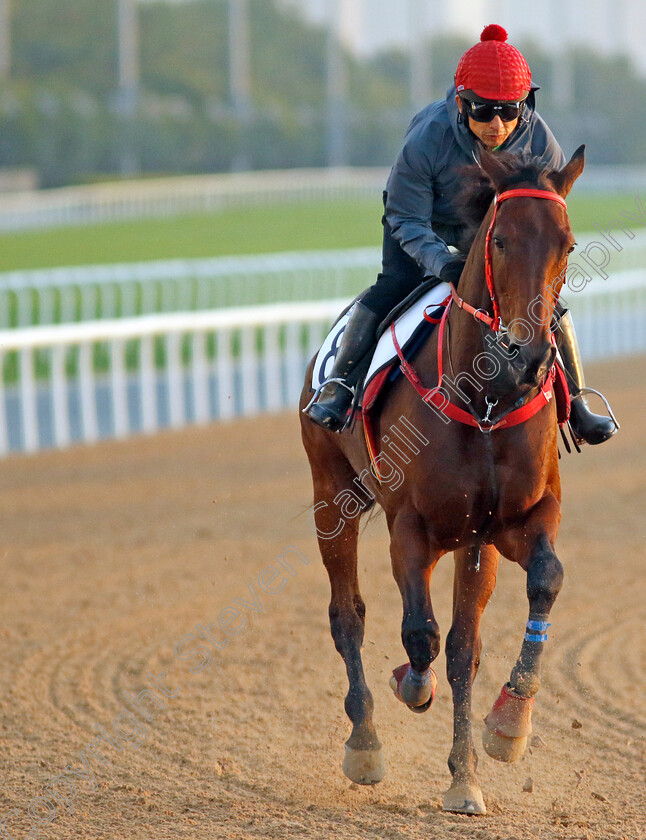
331,408
586,426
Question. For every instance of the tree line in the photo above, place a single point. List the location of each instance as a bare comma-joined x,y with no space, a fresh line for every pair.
61,114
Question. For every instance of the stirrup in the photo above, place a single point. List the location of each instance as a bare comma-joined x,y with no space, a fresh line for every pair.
349,415
576,439
337,380
611,413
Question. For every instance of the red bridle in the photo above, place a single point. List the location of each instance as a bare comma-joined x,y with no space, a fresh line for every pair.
495,323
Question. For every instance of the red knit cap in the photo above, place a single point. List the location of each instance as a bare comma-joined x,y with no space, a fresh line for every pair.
493,69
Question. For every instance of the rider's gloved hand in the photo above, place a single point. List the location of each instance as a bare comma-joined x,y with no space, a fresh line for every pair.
452,271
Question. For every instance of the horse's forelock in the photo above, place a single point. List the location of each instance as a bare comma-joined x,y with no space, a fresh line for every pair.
477,191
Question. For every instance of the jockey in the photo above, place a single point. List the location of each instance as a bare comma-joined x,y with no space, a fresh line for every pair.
491,106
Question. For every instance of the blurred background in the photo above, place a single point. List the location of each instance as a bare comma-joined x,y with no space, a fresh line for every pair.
190,190
98,88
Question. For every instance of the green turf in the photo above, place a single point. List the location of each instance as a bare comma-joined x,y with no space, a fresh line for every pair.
254,230
590,211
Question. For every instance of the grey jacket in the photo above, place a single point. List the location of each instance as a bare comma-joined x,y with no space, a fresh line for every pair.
425,179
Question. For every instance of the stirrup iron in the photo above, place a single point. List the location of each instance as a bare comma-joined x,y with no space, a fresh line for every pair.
611,413
336,380
578,439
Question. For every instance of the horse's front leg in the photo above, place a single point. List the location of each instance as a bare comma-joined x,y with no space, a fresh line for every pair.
532,546
473,583
337,538
413,560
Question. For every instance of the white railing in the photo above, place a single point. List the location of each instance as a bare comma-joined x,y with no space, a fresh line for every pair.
84,382
186,194
610,315
83,293
104,379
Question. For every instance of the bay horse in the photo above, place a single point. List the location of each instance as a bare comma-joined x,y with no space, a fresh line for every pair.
482,484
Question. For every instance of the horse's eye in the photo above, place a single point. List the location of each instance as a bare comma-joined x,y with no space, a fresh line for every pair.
497,241
571,248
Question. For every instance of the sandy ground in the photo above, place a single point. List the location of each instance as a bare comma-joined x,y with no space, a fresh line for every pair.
111,555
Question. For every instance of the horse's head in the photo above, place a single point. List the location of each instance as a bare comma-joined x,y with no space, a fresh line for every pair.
527,240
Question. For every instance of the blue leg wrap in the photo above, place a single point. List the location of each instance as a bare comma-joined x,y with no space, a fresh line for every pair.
537,631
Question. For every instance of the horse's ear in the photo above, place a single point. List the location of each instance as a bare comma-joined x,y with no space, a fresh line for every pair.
494,169
564,180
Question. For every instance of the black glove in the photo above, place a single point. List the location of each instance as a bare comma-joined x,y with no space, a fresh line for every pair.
452,271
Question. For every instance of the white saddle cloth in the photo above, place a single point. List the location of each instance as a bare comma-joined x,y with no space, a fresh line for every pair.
405,327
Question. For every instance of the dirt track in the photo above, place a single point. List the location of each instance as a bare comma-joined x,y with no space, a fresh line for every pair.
112,554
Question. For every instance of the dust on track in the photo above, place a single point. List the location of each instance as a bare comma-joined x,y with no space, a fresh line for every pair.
112,554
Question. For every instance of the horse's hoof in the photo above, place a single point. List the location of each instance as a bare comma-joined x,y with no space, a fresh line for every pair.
414,690
508,725
365,767
463,798
502,748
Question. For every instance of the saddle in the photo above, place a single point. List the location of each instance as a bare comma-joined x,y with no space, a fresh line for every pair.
412,322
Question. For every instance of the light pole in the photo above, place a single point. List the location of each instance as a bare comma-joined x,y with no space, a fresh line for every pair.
562,65
336,87
240,79
5,39
420,65
128,95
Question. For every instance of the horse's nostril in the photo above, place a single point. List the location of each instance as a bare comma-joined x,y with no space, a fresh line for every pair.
514,355
529,365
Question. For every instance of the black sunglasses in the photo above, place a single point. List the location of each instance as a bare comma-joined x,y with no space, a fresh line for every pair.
484,112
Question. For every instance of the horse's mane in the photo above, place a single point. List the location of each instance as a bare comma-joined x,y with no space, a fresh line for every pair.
475,196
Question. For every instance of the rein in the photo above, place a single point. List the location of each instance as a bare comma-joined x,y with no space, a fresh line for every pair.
436,396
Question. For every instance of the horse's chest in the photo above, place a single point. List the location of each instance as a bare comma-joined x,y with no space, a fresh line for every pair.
485,501
518,488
